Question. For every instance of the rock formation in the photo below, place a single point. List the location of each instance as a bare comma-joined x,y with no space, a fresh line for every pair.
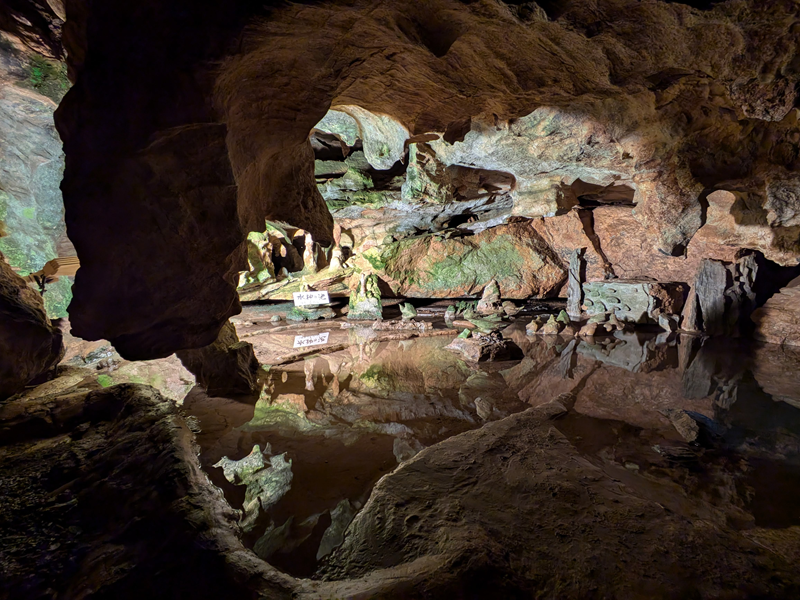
625,95
778,321
225,367
30,345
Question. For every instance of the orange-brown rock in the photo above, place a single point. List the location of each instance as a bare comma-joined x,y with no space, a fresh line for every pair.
625,243
30,345
778,321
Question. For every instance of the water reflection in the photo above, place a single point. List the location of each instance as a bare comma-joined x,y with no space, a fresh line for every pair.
716,418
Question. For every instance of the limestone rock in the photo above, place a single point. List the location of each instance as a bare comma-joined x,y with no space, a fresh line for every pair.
627,246
226,367
31,207
775,370
778,321
30,345
435,267
442,494
490,302
408,311
574,287
365,300
634,301
309,313
722,297
482,348
737,219
684,424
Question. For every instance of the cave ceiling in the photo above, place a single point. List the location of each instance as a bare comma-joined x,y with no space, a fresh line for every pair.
188,124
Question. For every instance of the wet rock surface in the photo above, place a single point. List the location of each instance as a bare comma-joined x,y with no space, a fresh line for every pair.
395,468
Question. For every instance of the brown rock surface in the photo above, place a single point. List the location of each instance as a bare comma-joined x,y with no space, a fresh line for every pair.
775,370
30,345
624,241
778,321
431,518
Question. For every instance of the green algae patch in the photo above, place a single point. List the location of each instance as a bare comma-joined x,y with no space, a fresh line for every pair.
57,296
268,416
446,266
105,381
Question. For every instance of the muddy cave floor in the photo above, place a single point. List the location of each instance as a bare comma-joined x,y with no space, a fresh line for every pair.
635,465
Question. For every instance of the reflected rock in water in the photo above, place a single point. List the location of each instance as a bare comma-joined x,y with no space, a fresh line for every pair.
634,352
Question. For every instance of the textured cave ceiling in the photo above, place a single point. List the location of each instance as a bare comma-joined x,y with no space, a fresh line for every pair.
188,123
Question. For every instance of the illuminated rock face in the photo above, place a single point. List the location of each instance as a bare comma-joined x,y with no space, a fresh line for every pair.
667,100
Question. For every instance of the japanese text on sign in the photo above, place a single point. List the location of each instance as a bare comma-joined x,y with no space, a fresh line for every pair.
310,298
304,341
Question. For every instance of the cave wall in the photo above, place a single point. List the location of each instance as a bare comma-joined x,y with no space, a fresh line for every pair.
675,101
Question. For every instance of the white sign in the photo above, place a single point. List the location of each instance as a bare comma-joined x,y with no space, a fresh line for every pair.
310,298
304,341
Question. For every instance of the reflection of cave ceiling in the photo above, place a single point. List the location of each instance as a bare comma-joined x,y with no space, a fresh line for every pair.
180,141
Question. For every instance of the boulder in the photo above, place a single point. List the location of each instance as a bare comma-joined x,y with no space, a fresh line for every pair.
30,346
434,266
485,347
225,367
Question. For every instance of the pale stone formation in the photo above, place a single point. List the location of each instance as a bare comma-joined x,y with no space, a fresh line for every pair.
490,302
633,301
778,321
30,346
365,299
226,367
408,311
310,254
575,284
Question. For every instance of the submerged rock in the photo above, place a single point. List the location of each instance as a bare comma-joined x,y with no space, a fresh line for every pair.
432,522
